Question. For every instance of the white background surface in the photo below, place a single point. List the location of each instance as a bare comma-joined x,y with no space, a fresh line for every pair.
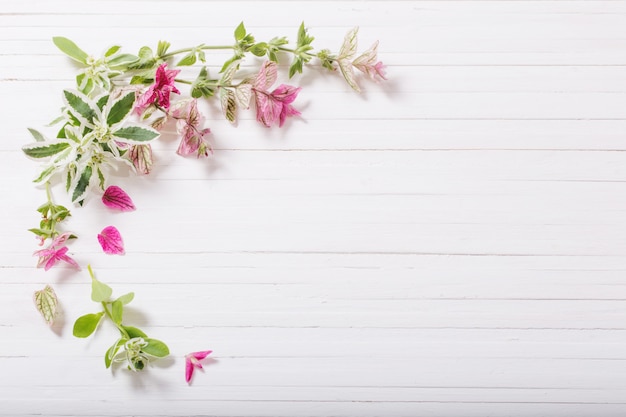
448,243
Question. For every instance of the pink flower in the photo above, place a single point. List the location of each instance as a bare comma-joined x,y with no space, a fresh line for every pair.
159,92
193,137
192,361
116,198
57,251
111,241
368,63
273,107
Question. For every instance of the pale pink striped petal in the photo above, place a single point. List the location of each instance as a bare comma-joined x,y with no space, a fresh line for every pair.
116,198
111,241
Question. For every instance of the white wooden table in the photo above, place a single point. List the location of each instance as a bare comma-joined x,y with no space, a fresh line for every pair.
449,243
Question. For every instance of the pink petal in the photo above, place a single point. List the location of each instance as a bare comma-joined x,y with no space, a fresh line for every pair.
189,368
116,198
111,241
201,355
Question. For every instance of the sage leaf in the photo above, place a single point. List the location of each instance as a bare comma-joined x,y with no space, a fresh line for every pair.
70,49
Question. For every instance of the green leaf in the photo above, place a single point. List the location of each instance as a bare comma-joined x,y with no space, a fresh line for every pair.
38,136
296,66
100,291
112,351
102,101
240,32
101,179
121,108
40,150
45,174
187,60
156,348
117,311
126,298
258,49
70,49
162,48
80,106
112,50
82,184
135,134
134,332
46,302
85,325
122,61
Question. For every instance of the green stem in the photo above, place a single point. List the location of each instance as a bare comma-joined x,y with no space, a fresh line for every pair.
48,192
185,50
110,316
106,309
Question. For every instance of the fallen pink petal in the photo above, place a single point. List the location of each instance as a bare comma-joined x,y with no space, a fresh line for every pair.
116,198
111,241
192,361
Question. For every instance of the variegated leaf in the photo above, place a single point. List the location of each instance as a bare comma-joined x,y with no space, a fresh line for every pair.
46,302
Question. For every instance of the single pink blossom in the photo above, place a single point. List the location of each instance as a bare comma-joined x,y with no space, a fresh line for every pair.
192,361
368,63
116,198
273,107
111,241
193,138
159,92
57,251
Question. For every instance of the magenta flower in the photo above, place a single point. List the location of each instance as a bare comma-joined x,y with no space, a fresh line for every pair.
116,198
273,107
111,241
194,138
368,63
57,251
192,361
159,92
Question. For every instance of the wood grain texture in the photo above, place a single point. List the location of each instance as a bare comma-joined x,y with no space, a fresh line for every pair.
448,243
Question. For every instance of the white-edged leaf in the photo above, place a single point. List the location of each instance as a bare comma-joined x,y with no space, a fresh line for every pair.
81,106
45,174
39,150
121,108
46,302
82,183
37,135
122,60
135,134
243,94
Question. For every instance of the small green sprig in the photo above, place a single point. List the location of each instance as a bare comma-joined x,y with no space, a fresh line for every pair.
133,346
51,215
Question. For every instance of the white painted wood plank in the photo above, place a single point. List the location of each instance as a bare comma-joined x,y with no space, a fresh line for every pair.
448,243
